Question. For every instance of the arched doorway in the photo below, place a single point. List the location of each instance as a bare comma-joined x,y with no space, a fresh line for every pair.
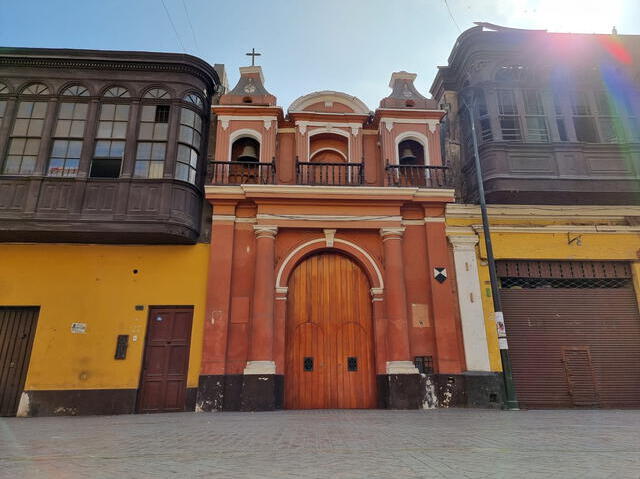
329,359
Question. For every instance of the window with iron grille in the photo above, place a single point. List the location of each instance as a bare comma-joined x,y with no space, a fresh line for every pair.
424,364
508,116
575,283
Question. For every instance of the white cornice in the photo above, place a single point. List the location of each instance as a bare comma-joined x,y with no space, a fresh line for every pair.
319,191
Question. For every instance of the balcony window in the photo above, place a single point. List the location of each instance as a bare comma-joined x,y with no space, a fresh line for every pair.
535,117
194,99
65,158
24,144
559,113
117,92
508,116
150,154
4,90
76,90
188,145
583,120
109,151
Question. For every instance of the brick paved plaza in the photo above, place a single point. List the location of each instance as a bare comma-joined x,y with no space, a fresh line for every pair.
326,444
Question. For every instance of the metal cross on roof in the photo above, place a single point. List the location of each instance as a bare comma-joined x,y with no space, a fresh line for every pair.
253,56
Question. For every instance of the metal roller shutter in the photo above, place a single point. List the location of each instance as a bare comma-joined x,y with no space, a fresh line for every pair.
574,333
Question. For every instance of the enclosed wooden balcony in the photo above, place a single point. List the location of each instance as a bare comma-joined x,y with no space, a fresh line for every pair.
100,210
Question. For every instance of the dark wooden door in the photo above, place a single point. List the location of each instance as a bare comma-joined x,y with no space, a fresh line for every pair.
17,330
329,337
166,360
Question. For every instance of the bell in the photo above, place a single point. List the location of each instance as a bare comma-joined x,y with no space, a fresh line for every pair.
407,156
248,154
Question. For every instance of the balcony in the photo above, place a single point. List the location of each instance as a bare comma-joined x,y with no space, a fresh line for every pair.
418,176
243,172
100,210
330,174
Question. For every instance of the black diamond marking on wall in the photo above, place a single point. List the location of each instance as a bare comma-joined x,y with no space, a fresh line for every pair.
440,274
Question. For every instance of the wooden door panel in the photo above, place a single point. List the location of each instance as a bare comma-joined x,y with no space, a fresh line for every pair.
166,360
329,320
17,331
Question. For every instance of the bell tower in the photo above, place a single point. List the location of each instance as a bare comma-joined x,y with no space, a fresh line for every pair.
247,120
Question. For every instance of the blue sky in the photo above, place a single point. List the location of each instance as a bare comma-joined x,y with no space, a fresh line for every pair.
307,45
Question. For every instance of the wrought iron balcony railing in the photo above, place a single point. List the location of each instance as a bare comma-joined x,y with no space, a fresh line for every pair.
329,174
243,172
418,176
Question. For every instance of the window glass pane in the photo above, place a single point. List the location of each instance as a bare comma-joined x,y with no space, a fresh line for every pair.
12,165
186,135
117,149
20,127
35,128
146,131
59,149
580,103
71,167
28,165
63,127
562,130
66,111
56,167
80,112
77,128
32,146
160,131
603,103
192,176
39,109
16,147
104,129
183,154
141,169
608,130
75,148
198,125
144,151
148,113
119,129
194,159
3,108
187,117
107,111
510,128
24,109
507,102
537,129
533,102
182,172
157,151
585,129
102,148
156,169
122,112
633,129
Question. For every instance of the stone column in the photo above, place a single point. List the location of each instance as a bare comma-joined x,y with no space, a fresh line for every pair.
474,334
399,358
258,386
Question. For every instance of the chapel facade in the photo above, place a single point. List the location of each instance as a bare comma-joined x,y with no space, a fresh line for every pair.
331,283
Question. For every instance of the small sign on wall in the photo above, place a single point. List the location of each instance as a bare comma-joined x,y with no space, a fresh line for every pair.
440,274
420,315
78,328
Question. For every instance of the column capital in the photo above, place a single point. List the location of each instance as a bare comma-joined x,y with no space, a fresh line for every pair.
391,233
263,231
463,243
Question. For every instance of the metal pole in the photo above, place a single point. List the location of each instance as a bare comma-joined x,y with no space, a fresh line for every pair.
511,401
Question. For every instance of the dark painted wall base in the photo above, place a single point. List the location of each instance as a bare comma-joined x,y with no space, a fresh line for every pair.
81,402
237,392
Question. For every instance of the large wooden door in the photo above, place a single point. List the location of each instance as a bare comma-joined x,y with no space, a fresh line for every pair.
329,337
166,360
17,330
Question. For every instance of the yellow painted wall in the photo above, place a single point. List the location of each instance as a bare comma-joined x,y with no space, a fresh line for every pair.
95,284
618,246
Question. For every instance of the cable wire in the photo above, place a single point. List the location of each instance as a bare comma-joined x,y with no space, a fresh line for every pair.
173,26
451,16
193,33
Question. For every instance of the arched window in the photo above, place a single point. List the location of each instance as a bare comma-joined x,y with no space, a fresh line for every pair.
67,142
117,92
4,89
328,148
157,94
512,73
194,99
245,149
76,90
411,153
35,89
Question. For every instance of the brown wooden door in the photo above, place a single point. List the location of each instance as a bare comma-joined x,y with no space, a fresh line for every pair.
166,360
17,330
329,337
